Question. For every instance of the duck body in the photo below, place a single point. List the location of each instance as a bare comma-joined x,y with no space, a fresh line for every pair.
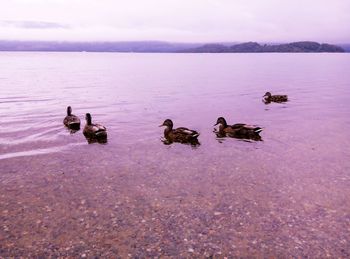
71,121
94,131
239,130
180,135
268,98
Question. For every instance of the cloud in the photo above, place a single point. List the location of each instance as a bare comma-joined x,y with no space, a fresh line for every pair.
33,25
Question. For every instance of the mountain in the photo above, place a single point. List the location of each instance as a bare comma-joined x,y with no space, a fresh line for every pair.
166,47
254,47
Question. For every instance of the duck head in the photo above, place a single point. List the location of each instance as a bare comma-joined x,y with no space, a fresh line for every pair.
88,118
69,111
168,123
267,95
221,121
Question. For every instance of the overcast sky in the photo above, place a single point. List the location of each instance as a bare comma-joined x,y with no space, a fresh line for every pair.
176,20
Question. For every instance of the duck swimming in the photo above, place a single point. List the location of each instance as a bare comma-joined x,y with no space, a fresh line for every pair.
94,131
268,97
239,130
181,135
71,121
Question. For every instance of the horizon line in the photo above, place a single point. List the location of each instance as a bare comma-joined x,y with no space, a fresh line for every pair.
165,41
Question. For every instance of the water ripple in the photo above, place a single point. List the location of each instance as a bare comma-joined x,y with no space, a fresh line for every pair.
39,151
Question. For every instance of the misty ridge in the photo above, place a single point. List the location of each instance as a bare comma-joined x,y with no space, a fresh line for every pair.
168,47
254,47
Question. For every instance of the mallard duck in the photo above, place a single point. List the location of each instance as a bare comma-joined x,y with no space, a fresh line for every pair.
181,135
268,97
239,130
71,121
94,131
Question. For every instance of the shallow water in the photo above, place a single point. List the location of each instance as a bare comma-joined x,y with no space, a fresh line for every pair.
287,195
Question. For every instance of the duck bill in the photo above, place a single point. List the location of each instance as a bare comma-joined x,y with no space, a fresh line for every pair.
216,124
161,125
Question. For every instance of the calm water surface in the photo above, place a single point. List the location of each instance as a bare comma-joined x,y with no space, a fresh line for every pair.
287,195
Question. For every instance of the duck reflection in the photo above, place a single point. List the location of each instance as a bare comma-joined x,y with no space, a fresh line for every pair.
193,143
96,140
72,131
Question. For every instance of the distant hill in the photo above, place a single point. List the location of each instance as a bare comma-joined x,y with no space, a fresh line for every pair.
254,47
346,47
166,47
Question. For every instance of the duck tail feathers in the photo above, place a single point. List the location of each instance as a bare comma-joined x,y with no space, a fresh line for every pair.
195,135
73,125
258,130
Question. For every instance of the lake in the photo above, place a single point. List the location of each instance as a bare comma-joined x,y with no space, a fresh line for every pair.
284,196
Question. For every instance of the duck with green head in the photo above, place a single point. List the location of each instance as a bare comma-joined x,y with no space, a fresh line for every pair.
268,98
71,121
180,135
94,131
239,130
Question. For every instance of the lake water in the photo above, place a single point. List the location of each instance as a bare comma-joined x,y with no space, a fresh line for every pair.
287,195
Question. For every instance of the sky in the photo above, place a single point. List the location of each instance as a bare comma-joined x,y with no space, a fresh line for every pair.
176,20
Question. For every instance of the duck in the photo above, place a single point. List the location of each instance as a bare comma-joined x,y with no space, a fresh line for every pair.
180,135
239,130
71,121
94,131
268,97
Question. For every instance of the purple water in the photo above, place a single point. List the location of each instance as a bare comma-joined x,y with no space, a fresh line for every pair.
287,195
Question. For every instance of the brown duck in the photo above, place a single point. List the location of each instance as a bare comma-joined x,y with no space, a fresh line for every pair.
239,130
71,121
268,97
181,135
94,131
